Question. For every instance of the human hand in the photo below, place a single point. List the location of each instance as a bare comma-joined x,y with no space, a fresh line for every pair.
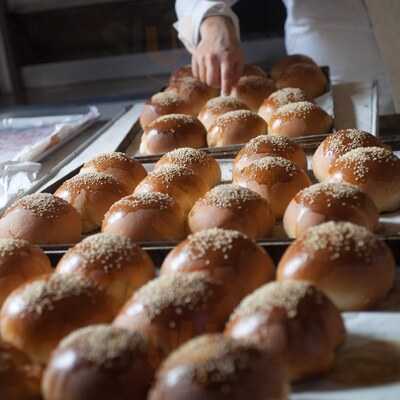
218,59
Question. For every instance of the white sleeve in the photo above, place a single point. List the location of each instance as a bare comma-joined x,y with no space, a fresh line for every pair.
191,14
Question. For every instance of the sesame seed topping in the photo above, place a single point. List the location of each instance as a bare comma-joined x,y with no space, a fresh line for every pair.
214,239
105,345
340,239
186,156
229,195
41,294
168,173
241,116
92,181
364,159
287,95
285,294
269,163
148,200
42,205
301,109
112,252
253,82
345,140
179,120
219,104
332,193
276,144
167,99
215,359
180,290
11,247
107,160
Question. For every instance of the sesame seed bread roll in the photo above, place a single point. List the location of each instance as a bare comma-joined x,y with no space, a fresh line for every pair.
227,255
182,72
278,99
113,262
215,367
254,70
195,91
19,378
299,119
104,362
252,90
37,315
172,131
293,320
20,262
165,103
232,207
374,170
218,106
279,67
235,127
347,262
276,179
307,77
325,202
198,161
124,169
338,144
267,145
91,194
38,217
181,183
142,217
174,308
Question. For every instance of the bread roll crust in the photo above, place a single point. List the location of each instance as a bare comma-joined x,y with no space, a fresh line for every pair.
235,127
325,202
293,320
300,119
347,262
38,217
276,179
279,67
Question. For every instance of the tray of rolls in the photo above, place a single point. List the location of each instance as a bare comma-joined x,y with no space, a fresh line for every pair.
188,113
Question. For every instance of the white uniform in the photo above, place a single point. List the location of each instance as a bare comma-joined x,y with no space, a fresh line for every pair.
335,33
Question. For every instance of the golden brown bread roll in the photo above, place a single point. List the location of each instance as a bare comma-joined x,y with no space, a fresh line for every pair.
252,90
99,362
267,145
124,169
20,262
174,308
325,202
38,218
165,103
278,99
172,131
37,315
215,367
226,255
197,160
142,217
218,106
113,262
235,127
182,72
274,178
254,70
19,378
293,320
305,76
91,194
285,62
232,207
375,170
337,144
299,119
347,262
181,183
192,89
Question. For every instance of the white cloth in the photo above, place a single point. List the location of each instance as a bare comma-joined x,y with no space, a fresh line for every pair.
335,33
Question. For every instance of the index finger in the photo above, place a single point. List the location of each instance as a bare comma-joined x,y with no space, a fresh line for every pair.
227,77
